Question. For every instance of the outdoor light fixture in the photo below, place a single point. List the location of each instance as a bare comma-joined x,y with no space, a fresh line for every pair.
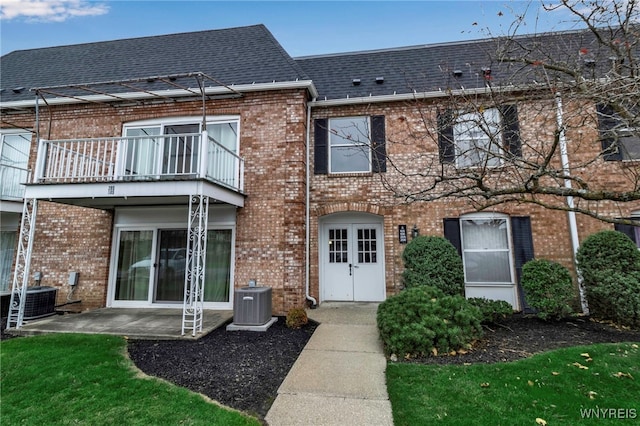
415,232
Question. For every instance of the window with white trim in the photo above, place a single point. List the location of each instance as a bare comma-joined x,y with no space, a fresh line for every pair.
478,140
350,146
486,249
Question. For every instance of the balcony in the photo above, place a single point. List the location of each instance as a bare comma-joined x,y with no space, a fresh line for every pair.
104,172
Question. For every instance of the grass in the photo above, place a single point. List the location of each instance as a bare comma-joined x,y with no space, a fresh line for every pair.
554,388
87,380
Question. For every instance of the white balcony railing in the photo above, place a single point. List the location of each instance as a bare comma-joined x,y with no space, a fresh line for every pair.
145,158
12,179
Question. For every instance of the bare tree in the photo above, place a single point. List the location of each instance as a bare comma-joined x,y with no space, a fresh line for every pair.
554,121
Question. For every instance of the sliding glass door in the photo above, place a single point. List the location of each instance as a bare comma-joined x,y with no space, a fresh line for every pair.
151,267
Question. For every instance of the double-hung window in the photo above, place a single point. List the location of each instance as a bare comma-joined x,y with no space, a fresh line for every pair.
620,139
486,249
476,137
350,145
486,137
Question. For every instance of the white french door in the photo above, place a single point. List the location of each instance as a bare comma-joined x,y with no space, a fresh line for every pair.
352,262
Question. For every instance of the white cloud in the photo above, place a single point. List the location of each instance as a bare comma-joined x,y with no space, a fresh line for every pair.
49,10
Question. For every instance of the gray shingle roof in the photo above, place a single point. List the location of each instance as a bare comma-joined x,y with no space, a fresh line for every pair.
242,55
430,68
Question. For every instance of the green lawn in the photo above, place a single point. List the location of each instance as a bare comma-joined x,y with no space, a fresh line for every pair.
87,380
557,387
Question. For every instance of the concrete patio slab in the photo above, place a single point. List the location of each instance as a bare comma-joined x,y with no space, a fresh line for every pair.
152,323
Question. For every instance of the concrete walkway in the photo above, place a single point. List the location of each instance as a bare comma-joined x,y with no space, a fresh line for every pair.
339,378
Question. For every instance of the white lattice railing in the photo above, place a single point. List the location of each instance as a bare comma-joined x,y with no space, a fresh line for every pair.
150,157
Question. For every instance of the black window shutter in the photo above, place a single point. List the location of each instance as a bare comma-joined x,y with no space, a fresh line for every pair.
452,233
628,230
606,125
511,130
378,144
321,141
445,137
522,251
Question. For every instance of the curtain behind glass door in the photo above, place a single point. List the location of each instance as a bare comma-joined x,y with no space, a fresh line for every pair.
218,270
134,265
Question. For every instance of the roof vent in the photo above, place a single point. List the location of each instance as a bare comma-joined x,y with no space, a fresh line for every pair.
379,80
590,63
457,73
355,82
486,71
18,89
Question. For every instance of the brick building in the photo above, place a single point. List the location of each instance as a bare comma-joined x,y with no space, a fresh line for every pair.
154,157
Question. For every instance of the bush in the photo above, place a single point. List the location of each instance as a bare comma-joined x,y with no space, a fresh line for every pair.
423,320
605,252
617,298
609,263
296,318
548,288
433,261
491,310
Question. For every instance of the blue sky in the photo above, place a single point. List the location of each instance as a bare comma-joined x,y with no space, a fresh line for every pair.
302,27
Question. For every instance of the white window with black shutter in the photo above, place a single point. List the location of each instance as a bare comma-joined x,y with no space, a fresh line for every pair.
493,247
350,145
483,138
620,139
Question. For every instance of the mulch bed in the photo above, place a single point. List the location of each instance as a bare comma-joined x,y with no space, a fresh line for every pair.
521,336
240,369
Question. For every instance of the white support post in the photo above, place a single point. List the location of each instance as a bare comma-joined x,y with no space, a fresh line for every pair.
23,262
192,310
41,159
204,154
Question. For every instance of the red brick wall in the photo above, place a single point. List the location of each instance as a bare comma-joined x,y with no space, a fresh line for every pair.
410,128
270,237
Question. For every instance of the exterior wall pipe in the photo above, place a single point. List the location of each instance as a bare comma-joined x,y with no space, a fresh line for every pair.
573,227
308,212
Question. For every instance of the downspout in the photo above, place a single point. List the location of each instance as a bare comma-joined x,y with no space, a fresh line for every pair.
308,213
573,227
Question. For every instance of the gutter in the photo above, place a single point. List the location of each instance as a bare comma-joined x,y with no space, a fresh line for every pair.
573,227
308,211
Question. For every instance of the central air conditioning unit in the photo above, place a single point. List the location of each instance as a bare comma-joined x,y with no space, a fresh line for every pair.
252,306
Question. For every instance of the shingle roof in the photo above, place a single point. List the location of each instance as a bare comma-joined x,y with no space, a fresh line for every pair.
242,55
430,68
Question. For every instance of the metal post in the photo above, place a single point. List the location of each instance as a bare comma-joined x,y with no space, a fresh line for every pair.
192,310
23,263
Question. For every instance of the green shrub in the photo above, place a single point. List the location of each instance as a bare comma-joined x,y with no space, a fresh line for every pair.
605,252
491,311
296,318
617,298
433,261
423,320
549,288
609,263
